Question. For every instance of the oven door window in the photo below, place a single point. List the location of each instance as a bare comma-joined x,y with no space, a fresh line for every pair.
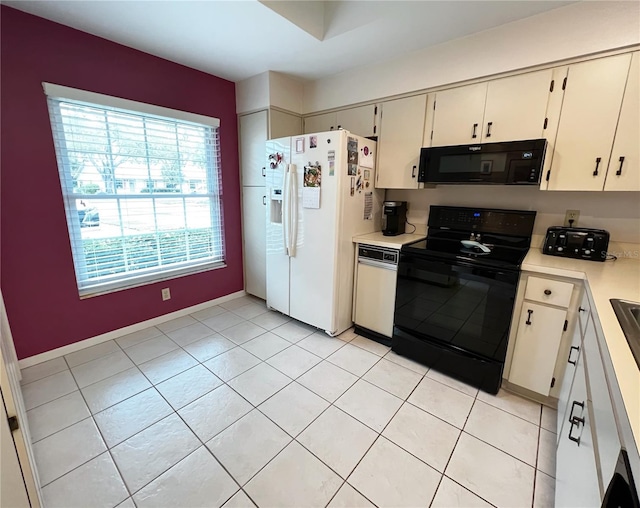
460,306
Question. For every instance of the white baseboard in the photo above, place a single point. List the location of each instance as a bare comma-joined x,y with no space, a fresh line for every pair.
114,334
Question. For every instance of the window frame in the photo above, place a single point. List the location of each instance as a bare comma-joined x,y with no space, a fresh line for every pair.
127,280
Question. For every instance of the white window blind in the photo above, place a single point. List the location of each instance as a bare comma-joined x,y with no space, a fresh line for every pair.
142,190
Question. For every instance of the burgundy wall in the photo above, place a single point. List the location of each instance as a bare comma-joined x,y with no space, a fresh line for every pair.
37,279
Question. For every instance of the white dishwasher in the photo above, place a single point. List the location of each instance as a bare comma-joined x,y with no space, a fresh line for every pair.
376,291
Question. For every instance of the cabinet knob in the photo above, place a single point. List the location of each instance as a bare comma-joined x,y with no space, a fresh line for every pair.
547,292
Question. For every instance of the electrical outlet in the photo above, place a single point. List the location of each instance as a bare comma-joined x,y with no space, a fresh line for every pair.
166,294
571,218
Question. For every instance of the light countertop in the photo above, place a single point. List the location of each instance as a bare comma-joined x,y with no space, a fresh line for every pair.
391,242
605,280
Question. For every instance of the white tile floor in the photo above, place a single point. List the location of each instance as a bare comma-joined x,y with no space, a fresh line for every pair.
238,406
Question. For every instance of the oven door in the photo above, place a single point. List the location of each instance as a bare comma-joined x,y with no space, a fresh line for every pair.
455,305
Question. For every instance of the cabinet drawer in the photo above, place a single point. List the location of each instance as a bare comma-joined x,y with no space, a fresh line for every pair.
548,291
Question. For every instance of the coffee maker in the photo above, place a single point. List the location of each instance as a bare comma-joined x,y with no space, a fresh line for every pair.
394,217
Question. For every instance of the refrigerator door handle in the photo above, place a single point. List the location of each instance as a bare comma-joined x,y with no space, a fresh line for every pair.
285,212
293,204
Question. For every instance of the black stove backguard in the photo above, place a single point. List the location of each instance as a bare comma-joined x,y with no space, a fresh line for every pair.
453,303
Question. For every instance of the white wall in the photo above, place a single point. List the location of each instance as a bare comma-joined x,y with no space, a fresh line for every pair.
285,92
617,212
578,29
269,89
252,93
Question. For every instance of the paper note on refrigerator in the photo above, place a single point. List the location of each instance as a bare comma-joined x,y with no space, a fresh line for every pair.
366,157
368,206
311,197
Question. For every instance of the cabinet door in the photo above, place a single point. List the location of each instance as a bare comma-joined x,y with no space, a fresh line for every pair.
624,167
253,135
360,121
400,141
536,350
283,124
516,107
458,115
254,234
320,123
604,421
576,473
590,110
573,358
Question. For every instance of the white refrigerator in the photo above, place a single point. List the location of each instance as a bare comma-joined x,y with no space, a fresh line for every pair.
320,193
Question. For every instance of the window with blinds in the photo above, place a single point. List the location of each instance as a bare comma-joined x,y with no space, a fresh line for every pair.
142,189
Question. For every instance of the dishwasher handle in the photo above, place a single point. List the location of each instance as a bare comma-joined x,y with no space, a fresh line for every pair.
378,264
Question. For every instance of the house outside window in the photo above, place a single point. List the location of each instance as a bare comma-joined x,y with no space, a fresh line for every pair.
126,170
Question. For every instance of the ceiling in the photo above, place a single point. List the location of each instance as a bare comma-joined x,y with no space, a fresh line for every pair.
306,39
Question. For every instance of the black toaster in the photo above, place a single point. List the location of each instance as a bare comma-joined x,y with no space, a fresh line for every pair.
580,243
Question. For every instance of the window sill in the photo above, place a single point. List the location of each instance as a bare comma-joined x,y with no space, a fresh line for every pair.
145,280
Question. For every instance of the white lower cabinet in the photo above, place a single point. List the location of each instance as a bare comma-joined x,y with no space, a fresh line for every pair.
255,245
576,471
537,342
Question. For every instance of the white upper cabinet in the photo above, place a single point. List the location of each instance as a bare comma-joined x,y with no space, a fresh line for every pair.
507,109
624,167
360,120
253,134
516,107
283,124
401,131
590,110
458,115
320,123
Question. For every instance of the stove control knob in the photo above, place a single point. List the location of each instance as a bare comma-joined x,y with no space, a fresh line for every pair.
587,252
560,249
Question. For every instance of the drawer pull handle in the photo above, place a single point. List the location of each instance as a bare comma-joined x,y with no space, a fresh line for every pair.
264,200
571,351
573,406
619,172
474,135
580,309
547,292
576,421
528,321
264,172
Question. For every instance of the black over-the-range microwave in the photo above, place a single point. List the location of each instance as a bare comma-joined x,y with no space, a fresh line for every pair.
511,163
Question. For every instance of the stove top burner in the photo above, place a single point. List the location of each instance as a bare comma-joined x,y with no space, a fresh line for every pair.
497,238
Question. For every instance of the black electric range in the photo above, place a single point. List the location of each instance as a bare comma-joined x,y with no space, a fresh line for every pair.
456,291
